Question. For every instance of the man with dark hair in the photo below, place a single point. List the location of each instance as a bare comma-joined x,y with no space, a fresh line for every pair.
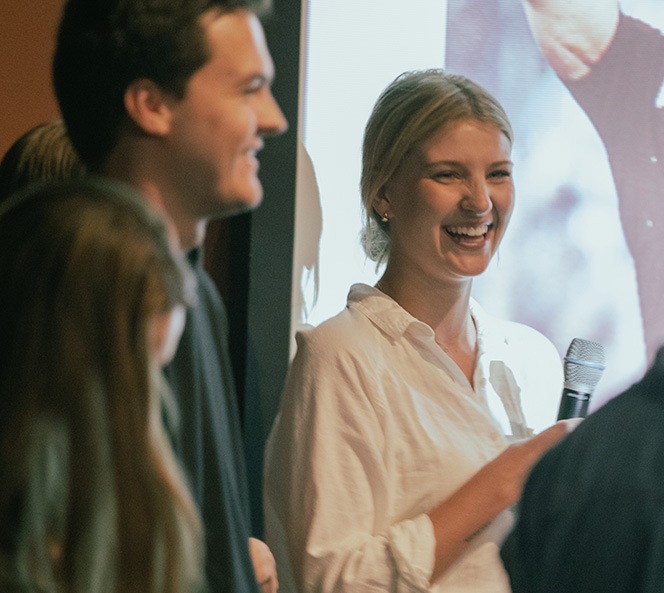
173,97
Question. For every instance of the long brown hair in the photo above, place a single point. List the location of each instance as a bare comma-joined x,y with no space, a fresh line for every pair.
91,497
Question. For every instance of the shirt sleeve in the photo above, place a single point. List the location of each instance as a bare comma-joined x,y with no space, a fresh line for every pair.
327,480
620,90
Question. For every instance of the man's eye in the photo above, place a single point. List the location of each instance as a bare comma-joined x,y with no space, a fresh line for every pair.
253,89
255,85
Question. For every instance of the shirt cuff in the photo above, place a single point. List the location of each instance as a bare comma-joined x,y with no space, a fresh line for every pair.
413,547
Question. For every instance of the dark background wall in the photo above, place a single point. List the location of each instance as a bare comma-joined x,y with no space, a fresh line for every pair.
26,48
270,250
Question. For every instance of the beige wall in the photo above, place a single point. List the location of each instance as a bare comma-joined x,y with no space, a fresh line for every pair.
26,48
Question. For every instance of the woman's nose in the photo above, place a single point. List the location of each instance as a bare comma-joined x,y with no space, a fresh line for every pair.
477,198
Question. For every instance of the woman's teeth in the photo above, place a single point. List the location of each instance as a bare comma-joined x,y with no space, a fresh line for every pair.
468,231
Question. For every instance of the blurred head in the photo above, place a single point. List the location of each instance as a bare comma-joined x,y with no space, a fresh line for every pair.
86,261
216,130
43,153
411,110
91,286
193,75
102,47
591,517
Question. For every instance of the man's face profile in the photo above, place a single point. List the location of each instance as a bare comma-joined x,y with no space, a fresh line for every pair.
217,129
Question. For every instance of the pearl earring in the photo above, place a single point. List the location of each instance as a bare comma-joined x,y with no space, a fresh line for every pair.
384,218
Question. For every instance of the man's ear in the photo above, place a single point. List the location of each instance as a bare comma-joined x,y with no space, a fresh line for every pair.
147,106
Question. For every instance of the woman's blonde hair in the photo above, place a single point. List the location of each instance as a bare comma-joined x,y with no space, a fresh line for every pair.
91,496
43,153
412,108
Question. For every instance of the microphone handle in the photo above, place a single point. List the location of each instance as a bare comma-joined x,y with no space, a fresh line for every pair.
573,404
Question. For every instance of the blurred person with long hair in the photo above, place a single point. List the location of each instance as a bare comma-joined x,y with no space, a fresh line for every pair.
92,306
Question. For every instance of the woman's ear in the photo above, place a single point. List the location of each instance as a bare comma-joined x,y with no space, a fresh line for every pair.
381,203
147,106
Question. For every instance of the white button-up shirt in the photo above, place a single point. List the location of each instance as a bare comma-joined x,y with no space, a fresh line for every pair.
377,427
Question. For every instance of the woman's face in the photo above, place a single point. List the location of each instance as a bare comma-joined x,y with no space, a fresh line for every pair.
450,201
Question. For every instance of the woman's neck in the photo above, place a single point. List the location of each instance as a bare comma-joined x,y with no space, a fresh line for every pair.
433,301
443,306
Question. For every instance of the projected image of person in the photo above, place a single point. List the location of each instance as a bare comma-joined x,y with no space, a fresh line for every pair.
389,466
613,65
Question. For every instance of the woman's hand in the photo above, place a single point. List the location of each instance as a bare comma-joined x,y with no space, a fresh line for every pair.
511,468
494,488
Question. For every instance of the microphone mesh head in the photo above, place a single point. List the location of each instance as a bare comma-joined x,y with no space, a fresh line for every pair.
584,364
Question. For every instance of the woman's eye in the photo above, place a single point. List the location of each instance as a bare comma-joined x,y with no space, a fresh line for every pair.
500,173
444,175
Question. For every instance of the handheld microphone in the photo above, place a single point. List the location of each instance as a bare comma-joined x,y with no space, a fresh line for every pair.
584,364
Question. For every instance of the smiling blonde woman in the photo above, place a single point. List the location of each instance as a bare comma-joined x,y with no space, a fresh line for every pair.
389,467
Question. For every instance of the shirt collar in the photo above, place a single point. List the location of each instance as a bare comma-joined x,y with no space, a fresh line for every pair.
385,312
393,319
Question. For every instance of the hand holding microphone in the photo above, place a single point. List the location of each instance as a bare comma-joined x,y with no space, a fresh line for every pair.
584,365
